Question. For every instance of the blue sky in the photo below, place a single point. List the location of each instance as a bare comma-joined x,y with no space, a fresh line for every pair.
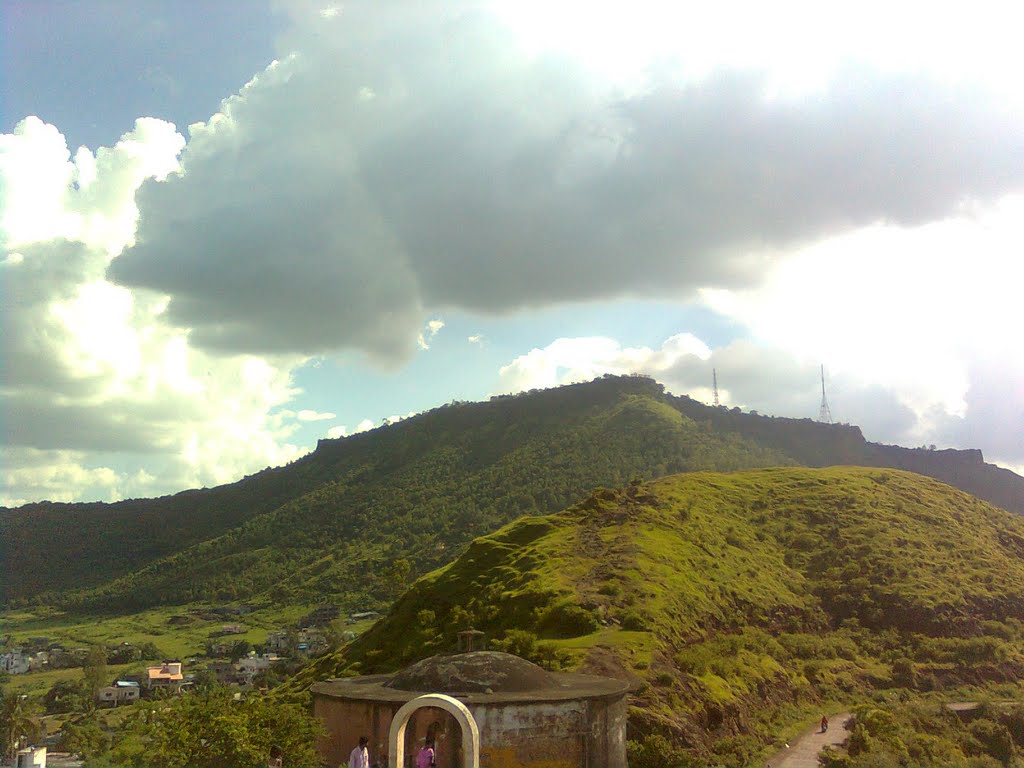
91,68
383,207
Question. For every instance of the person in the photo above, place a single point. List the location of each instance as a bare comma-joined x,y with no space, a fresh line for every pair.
425,759
360,757
824,723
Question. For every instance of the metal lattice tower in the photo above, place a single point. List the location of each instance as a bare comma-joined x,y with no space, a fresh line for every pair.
714,378
825,413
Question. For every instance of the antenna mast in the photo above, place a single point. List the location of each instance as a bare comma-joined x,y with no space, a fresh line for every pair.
824,414
714,378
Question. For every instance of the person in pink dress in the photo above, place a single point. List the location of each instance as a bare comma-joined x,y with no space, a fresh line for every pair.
425,759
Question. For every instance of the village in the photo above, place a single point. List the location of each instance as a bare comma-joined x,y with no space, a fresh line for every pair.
226,660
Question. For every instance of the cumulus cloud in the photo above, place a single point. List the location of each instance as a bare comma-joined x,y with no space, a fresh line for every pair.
485,177
431,330
342,431
930,314
569,360
308,415
101,395
773,380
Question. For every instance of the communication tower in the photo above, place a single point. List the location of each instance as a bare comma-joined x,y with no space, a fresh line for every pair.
824,414
714,379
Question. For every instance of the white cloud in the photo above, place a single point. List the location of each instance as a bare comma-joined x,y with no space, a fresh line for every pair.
930,314
363,426
773,380
569,360
476,338
102,396
308,415
430,331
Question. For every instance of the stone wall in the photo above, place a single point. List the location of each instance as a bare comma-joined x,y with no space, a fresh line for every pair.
579,733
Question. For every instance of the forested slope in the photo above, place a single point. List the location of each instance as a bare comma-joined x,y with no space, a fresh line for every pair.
429,486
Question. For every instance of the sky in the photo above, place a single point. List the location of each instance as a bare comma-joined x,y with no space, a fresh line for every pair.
231,229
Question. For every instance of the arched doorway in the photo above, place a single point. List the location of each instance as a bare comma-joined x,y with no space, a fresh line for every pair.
454,707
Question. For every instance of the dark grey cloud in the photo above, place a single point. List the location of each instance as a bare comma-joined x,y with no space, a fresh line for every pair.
409,162
49,424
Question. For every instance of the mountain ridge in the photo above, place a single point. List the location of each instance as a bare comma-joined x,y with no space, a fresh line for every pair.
654,434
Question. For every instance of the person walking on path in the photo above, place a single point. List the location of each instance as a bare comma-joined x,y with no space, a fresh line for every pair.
803,752
824,723
360,757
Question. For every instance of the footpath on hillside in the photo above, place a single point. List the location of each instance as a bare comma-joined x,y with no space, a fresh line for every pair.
803,753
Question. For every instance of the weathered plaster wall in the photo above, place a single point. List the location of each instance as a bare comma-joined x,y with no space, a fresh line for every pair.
565,734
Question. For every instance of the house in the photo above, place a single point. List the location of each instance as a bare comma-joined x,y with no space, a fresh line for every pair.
14,662
247,668
321,617
38,661
311,640
121,692
223,672
30,757
277,641
363,616
167,675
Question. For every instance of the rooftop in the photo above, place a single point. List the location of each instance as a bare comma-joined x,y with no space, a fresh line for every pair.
479,677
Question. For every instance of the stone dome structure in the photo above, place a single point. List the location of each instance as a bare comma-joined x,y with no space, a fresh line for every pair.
477,672
525,714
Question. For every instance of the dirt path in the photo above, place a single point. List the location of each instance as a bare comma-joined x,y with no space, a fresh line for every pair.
803,753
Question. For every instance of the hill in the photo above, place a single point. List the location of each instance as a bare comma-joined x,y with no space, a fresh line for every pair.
735,601
332,525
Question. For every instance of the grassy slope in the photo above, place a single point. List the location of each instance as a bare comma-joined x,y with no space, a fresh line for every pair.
737,598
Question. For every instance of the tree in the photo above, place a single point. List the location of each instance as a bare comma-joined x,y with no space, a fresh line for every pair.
239,649
17,721
396,575
85,738
94,670
212,729
66,696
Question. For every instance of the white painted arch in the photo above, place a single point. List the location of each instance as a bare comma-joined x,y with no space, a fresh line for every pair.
454,707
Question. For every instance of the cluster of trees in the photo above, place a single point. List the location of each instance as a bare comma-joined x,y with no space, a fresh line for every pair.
207,729
891,734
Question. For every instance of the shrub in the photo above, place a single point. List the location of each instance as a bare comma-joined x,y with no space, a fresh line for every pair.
633,620
567,620
655,751
994,739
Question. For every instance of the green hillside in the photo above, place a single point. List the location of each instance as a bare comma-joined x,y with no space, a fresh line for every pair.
332,525
737,601
425,488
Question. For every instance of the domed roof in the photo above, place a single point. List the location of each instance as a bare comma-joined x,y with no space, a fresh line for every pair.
477,672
